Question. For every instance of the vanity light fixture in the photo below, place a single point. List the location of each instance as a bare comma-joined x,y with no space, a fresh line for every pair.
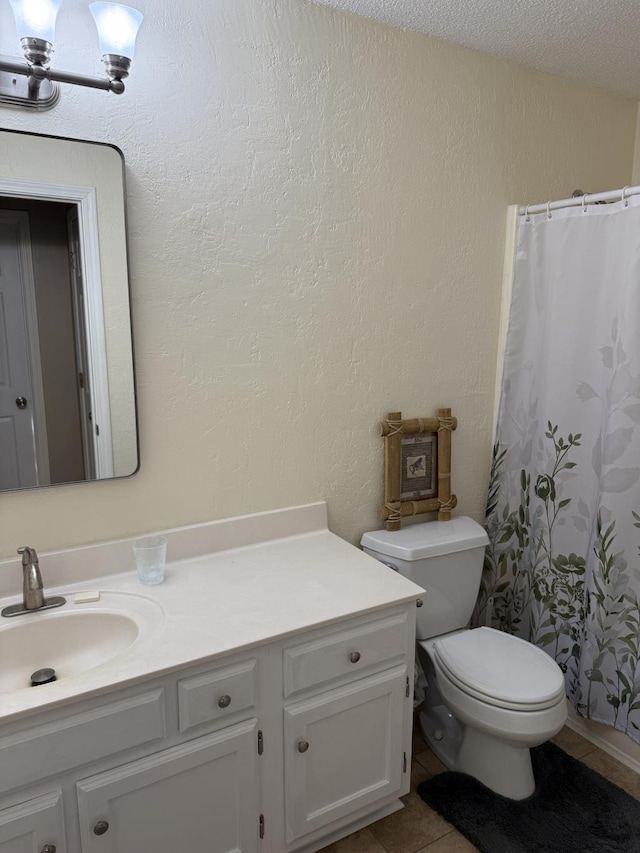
33,84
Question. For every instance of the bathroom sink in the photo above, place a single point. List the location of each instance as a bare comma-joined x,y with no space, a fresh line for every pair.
74,639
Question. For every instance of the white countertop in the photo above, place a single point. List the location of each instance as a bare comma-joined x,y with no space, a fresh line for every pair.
220,602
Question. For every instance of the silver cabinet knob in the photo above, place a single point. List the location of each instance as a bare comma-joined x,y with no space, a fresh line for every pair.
101,827
354,657
224,701
419,602
49,848
303,745
21,402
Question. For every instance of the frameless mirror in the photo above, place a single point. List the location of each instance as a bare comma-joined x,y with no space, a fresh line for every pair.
67,395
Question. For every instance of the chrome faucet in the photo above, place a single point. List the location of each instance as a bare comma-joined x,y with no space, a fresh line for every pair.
32,590
33,598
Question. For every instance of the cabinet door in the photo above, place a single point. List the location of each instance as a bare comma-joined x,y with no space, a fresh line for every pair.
200,797
31,826
343,750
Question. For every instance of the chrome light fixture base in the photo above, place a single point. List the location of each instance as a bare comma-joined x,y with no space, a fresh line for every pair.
16,91
38,90
37,51
117,67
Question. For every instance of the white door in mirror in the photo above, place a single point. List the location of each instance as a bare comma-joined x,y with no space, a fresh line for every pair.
17,438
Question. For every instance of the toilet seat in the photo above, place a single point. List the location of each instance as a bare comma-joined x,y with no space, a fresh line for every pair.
500,669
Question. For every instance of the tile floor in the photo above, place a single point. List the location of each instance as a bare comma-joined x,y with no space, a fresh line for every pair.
418,829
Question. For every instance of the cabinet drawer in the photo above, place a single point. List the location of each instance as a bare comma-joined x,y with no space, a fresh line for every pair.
344,652
80,738
216,694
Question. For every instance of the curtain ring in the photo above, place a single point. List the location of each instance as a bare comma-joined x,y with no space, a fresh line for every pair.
527,218
549,216
584,203
624,196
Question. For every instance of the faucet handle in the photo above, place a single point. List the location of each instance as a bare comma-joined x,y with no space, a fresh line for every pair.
29,556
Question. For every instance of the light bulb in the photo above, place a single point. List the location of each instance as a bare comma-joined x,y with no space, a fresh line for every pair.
36,18
117,28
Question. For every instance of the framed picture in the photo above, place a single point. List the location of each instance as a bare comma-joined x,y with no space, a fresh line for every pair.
417,467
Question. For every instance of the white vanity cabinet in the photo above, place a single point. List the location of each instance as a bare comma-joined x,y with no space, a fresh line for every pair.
265,708
166,766
283,747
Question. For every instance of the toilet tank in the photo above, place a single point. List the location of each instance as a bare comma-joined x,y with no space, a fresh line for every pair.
443,557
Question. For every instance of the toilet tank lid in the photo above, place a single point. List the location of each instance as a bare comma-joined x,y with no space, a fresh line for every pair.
429,539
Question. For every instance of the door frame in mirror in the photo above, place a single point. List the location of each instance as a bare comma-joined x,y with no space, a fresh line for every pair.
84,198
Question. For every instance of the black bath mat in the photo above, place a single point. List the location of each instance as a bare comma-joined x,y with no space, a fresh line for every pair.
573,810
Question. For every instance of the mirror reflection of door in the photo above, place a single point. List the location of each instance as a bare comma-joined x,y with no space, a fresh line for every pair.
45,410
18,464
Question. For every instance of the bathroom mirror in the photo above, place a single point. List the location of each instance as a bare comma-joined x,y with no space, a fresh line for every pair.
67,394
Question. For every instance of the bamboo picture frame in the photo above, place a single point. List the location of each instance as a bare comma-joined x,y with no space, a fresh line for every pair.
417,467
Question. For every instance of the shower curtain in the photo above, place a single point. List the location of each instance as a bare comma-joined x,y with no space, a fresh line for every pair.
563,511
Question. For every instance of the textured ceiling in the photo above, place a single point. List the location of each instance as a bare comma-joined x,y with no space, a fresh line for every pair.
592,41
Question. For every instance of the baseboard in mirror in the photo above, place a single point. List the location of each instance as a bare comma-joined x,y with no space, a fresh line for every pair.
614,743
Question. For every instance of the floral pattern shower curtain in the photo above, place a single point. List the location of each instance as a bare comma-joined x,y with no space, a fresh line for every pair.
563,511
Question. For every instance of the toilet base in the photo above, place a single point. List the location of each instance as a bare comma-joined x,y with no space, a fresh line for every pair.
503,766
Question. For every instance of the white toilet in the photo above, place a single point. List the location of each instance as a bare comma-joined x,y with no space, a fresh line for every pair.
490,696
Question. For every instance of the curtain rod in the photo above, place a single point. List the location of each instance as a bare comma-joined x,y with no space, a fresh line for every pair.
579,201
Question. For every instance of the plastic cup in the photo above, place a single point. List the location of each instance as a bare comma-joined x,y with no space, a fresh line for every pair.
150,555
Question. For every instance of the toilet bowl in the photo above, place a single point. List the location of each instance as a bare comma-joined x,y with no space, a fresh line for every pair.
483,719
490,696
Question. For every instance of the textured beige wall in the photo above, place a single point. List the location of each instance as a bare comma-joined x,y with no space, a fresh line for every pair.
317,208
